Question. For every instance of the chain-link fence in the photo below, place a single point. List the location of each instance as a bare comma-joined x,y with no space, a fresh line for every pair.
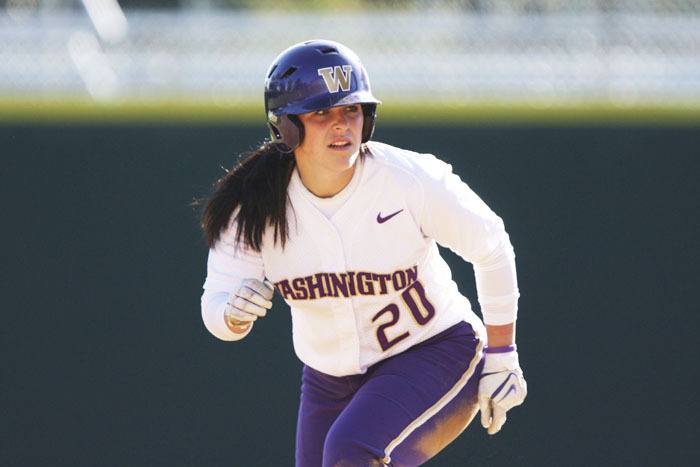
442,51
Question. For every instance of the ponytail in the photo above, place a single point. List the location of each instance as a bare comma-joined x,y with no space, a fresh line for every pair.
257,187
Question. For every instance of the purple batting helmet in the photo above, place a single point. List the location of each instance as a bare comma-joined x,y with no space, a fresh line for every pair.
310,76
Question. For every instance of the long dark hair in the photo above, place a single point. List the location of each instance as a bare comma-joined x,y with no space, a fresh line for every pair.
257,187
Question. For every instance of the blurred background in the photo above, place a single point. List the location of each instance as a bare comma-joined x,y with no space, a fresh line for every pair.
597,55
576,121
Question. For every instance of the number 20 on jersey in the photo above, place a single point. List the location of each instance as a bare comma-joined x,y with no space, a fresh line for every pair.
420,309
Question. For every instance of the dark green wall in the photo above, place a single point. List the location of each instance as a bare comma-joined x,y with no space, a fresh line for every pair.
106,361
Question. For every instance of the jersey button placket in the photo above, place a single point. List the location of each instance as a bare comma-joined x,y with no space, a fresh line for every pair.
343,312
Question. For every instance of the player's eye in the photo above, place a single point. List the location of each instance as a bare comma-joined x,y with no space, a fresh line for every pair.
353,108
321,112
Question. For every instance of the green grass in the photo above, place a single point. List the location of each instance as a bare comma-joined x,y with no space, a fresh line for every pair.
190,111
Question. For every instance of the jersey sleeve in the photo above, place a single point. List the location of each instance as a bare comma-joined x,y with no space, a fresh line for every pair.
228,264
454,216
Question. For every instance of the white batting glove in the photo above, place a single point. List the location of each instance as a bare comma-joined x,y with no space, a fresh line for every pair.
501,387
250,302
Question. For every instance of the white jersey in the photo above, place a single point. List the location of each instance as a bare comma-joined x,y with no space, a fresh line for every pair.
368,282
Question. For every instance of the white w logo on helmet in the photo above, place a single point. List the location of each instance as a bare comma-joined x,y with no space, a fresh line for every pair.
336,77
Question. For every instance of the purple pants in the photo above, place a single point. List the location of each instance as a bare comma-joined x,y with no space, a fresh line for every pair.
401,412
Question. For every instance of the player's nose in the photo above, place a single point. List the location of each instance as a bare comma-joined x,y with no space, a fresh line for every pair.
340,118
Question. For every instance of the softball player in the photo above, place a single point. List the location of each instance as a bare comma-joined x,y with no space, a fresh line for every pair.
396,364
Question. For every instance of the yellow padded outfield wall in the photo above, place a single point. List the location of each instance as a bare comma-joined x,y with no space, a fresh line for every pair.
176,110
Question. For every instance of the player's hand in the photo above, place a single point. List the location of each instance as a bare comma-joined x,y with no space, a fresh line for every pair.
501,388
250,302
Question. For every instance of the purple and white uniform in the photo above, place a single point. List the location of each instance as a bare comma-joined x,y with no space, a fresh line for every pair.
377,319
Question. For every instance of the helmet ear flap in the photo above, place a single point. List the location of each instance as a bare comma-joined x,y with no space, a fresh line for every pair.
286,131
370,113
299,133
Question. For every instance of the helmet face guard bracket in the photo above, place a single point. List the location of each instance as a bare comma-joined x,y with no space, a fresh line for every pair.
311,76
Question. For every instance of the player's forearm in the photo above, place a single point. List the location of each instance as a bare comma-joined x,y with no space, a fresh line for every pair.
501,335
497,285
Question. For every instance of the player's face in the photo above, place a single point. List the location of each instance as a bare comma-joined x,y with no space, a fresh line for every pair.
332,136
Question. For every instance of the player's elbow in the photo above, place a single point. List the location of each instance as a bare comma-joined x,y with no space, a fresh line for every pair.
495,253
215,331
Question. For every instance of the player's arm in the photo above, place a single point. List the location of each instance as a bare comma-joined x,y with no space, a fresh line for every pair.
453,215
457,218
236,292
502,385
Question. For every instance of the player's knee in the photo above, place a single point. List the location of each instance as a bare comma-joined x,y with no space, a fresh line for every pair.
343,448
